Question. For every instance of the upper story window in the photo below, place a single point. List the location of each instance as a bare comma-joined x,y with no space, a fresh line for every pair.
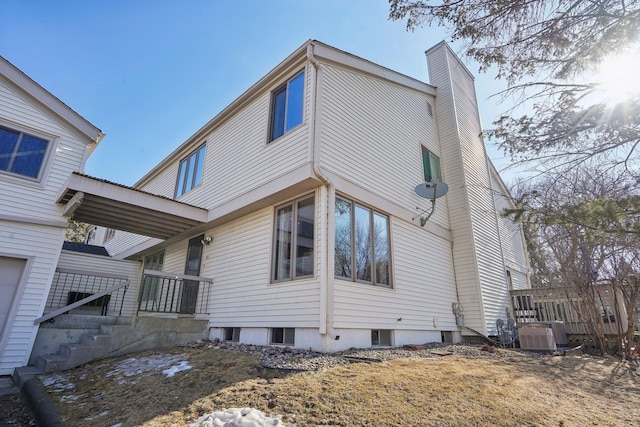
361,244
287,105
294,240
22,154
190,171
431,166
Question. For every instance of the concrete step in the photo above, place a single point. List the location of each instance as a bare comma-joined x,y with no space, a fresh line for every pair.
76,321
115,329
7,386
119,338
92,346
24,373
52,362
97,340
73,350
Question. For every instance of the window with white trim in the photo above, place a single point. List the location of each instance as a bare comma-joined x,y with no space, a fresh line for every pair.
431,166
361,244
232,334
22,154
294,241
190,171
151,284
381,338
284,336
287,106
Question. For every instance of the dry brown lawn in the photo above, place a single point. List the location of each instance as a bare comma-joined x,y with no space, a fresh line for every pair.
517,390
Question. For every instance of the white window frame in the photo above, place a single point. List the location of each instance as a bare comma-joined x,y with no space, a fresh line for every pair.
285,87
372,214
286,333
293,256
189,180
382,335
235,334
47,160
432,159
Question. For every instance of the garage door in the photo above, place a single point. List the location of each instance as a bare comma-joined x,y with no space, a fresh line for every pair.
10,273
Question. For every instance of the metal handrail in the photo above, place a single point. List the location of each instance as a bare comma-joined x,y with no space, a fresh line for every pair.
164,293
83,301
155,273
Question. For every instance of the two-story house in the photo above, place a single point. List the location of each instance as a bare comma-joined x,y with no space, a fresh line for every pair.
293,218
314,235
41,142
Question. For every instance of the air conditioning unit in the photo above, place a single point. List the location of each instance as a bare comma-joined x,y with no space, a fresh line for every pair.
537,337
559,331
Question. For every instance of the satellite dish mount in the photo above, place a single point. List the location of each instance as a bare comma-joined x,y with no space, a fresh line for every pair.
431,190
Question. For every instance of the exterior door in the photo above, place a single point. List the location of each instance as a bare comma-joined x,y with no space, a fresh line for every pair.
11,270
192,268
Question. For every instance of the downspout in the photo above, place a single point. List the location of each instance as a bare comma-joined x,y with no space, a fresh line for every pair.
327,206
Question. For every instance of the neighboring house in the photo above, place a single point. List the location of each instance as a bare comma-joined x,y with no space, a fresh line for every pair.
41,142
291,218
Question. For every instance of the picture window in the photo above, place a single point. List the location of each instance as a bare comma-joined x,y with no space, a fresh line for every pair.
362,244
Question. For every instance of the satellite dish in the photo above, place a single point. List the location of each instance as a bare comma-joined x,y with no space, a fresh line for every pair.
431,190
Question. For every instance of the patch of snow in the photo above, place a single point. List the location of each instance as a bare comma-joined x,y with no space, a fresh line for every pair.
101,414
237,417
61,381
70,398
148,365
182,366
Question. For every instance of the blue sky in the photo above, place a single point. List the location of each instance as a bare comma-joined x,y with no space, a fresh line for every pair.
151,73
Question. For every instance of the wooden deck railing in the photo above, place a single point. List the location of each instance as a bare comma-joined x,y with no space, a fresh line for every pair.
163,292
565,305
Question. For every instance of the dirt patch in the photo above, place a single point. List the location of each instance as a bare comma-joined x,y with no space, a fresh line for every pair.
13,412
505,389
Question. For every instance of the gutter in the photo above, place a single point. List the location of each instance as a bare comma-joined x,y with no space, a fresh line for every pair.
327,204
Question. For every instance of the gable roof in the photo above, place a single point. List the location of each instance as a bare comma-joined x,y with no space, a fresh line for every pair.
31,90
318,50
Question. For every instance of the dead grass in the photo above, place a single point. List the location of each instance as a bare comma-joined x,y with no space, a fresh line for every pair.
447,391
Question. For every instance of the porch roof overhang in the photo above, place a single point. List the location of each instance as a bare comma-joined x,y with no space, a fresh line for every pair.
104,203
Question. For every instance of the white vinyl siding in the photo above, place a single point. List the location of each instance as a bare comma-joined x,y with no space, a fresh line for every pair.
104,265
424,287
239,260
28,202
519,280
123,240
477,250
237,158
511,234
372,133
24,197
41,245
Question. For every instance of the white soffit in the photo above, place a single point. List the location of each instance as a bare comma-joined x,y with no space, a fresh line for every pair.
103,203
